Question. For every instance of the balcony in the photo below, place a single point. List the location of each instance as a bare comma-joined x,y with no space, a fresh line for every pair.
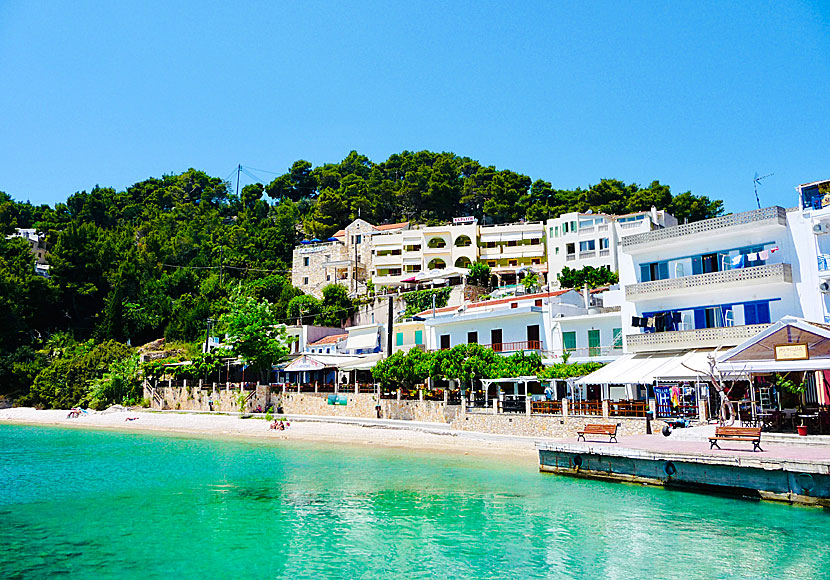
515,346
738,278
587,255
770,216
691,339
570,257
388,260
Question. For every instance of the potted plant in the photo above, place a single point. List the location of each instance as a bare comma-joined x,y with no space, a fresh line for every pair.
786,383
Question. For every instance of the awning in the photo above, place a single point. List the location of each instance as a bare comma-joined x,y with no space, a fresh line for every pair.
511,236
533,235
692,366
364,363
630,369
364,340
489,237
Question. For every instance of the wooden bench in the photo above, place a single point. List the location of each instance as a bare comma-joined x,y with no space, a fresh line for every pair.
596,429
752,434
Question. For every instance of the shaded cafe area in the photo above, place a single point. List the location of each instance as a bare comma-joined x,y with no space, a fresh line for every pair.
780,378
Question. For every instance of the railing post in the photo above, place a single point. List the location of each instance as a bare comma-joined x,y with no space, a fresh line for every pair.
527,405
565,409
606,409
421,395
399,394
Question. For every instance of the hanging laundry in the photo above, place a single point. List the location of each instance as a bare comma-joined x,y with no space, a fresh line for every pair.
764,255
773,250
752,256
737,261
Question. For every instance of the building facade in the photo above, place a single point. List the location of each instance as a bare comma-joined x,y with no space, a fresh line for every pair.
580,239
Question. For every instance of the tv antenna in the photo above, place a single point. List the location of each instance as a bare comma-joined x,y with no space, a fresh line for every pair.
756,181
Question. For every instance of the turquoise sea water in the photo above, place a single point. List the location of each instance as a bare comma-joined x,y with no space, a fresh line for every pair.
95,504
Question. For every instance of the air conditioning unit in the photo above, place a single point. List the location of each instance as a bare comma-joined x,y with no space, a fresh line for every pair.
820,228
824,287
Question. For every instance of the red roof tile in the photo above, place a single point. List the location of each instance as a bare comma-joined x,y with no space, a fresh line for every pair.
331,339
392,226
517,298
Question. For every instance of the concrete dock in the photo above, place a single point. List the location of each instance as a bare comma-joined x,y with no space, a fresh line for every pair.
789,471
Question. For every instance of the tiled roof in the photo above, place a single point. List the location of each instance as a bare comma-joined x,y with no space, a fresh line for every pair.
331,339
339,234
438,310
517,298
392,226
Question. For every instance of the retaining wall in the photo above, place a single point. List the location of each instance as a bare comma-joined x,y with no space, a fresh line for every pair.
363,405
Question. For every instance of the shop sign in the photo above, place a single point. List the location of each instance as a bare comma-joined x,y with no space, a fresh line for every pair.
468,219
797,351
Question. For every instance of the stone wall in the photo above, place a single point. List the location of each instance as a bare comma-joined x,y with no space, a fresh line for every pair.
363,405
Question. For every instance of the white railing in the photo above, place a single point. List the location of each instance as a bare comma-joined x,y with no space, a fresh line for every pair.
602,228
586,230
586,255
684,339
604,253
769,273
768,216
570,257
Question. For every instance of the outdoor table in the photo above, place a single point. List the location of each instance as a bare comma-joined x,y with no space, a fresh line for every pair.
811,420
767,421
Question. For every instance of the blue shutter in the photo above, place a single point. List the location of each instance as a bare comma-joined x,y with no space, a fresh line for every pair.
663,270
645,273
697,265
763,312
700,318
750,314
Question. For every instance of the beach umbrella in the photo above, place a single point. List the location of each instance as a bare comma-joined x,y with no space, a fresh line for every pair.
305,242
332,240
316,240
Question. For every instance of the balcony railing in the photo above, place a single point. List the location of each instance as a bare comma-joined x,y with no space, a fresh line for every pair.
515,346
766,274
602,228
585,408
546,407
604,253
587,255
595,352
768,216
570,257
686,339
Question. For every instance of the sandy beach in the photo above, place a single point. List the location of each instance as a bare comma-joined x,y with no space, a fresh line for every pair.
395,434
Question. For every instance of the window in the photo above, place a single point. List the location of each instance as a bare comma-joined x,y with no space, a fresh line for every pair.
511,243
305,261
570,248
565,228
569,340
399,339
512,262
551,232
587,246
538,302
756,313
328,277
535,261
654,271
305,280
491,263
419,337
616,341
472,338
444,341
593,343
603,243
573,226
556,229
514,305
557,250
357,239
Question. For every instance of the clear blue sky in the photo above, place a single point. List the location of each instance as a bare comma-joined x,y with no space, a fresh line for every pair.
698,95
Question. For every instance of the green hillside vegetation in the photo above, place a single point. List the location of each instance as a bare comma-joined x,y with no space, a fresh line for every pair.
162,256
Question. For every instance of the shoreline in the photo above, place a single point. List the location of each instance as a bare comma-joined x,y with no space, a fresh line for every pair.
315,430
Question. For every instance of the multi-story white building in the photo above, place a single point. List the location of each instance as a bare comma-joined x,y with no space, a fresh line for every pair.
445,250
813,243
579,239
511,249
714,282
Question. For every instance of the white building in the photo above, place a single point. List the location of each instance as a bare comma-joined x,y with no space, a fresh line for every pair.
714,282
579,239
511,249
519,323
812,240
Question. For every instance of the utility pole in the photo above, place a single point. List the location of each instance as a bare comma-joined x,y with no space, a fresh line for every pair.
221,248
238,171
389,333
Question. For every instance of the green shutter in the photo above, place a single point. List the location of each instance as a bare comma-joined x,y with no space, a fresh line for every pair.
399,339
419,337
569,340
617,334
593,343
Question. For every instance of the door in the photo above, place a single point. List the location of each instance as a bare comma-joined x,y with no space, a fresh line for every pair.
710,263
533,342
593,343
495,339
472,337
445,341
